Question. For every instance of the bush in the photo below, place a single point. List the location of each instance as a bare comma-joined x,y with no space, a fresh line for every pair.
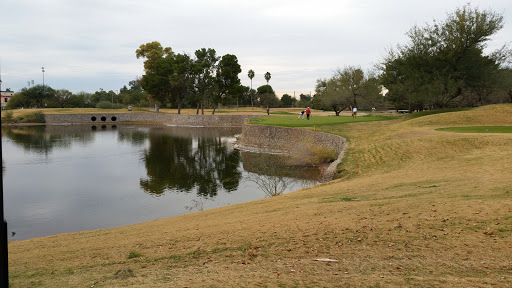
7,117
104,105
322,155
118,106
108,105
35,117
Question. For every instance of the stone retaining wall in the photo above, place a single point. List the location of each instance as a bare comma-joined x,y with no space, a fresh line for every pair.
157,118
286,139
280,139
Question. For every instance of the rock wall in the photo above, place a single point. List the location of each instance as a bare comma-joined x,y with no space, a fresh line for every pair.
157,118
286,140
274,138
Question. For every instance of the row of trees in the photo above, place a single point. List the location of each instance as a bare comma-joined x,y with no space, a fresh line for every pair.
171,80
444,65
204,80
46,96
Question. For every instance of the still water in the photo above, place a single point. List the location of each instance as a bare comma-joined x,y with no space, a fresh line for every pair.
60,179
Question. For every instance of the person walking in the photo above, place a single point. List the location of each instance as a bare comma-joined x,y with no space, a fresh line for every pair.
308,112
354,112
302,114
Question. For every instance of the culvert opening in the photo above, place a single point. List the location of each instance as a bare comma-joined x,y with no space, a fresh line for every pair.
103,118
93,118
114,118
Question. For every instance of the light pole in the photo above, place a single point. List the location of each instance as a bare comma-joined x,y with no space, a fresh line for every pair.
44,90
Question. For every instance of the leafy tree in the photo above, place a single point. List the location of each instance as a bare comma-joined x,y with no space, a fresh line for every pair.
304,97
80,100
444,63
181,79
204,71
348,87
250,74
134,95
305,100
505,82
63,97
152,52
158,68
267,97
178,79
102,96
227,78
331,95
246,95
35,96
18,100
287,100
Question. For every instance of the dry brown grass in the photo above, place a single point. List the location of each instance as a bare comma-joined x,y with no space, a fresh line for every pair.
416,208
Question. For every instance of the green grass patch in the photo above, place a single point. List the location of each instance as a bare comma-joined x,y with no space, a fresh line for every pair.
257,111
282,113
478,129
134,254
292,121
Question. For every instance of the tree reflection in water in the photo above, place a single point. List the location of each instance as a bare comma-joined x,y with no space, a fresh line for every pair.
206,164
271,172
85,177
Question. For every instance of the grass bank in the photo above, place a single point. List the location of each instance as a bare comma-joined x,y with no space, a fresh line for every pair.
319,121
415,207
478,129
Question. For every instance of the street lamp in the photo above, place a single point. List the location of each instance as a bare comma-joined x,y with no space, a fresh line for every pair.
44,90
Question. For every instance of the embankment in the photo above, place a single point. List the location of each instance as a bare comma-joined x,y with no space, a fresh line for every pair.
254,137
156,118
289,140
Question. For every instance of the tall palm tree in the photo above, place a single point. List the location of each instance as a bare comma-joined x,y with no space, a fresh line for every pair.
267,77
251,75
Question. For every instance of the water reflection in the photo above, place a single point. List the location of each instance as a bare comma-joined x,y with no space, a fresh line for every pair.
43,140
206,163
92,177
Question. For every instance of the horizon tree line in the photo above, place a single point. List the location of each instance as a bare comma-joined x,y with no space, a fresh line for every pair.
443,65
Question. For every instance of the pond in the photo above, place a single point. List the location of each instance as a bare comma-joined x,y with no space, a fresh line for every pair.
60,179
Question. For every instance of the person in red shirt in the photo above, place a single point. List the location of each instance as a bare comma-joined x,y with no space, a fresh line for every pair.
308,112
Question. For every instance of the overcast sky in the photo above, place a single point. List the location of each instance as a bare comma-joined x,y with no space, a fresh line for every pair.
86,45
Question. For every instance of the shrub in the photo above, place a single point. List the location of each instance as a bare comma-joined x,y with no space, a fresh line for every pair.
322,155
118,106
109,105
7,117
35,117
134,254
104,105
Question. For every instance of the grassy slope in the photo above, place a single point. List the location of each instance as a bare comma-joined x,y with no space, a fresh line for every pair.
416,207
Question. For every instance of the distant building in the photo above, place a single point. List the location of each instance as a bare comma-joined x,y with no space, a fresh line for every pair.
6,95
